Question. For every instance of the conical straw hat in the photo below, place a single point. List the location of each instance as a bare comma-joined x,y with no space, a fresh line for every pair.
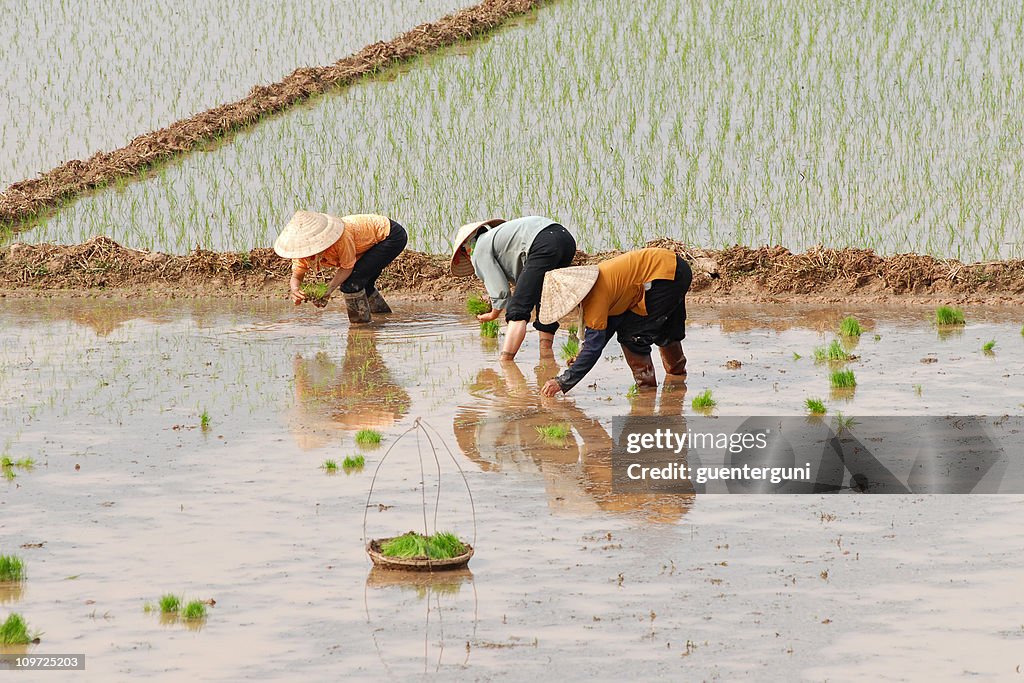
308,233
564,289
461,266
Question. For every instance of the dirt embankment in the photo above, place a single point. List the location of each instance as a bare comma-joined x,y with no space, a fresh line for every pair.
24,200
101,267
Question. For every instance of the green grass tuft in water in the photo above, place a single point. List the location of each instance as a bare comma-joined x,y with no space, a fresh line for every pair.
11,568
703,401
949,315
170,604
14,631
850,327
194,610
368,437
489,329
815,406
842,379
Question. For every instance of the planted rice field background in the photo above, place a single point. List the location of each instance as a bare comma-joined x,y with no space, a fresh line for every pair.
83,77
891,127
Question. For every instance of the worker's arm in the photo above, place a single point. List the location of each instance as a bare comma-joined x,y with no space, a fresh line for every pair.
594,342
495,279
338,280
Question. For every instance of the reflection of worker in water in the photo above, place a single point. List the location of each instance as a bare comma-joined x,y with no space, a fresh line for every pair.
519,251
358,246
578,471
640,296
358,394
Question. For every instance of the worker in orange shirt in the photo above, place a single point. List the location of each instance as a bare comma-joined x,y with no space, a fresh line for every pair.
639,296
359,246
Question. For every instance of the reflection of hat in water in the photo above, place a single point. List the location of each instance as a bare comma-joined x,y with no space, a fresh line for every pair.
564,289
462,266
308,233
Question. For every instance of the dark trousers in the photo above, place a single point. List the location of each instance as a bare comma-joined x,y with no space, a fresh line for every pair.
553,247
370,265
665,321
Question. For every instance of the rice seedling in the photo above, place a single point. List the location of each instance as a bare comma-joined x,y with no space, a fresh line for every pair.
574,332
368,437
204,420
489,329
815,406
877,337
834,352
949,315
918,389
195,609
12,569
169,603
842,379
14,631
703,401
570,349
353,463
476,305
441,546
555,432
633,391
988,348
329,466
843,423
315,293
796,356
850,327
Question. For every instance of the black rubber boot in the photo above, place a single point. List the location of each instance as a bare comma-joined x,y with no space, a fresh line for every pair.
642,367
377,303
673,358
358,307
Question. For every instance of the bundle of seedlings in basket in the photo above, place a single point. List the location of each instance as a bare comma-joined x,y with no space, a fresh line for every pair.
443,545
315,293
432,550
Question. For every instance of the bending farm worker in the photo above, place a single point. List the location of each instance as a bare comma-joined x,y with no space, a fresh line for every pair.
640,296
359,246
519,251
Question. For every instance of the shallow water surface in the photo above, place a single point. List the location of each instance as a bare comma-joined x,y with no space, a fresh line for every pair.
131,498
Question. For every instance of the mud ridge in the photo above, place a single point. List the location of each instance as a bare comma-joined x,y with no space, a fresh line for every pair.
103,267
27,199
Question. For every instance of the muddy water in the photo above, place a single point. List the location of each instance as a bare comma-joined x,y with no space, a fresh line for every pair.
131,498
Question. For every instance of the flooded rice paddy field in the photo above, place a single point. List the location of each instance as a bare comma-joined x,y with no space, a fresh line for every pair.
131,498
894,126
136,68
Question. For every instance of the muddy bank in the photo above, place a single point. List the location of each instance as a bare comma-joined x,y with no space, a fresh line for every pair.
23,200
101,266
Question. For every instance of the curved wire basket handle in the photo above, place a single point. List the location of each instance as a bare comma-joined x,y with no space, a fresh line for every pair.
418,426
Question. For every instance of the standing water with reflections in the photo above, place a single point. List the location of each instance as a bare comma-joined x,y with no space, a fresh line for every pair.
131,497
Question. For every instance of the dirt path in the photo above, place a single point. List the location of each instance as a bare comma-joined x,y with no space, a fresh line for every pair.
24,200
101,267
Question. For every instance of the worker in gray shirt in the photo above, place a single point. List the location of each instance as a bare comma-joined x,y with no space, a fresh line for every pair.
519,252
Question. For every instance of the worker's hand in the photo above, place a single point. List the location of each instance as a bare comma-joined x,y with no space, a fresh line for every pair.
551,387
569,361
489,315
298,297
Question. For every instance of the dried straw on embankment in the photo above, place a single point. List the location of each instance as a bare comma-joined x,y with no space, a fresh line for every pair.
24,200
101,266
